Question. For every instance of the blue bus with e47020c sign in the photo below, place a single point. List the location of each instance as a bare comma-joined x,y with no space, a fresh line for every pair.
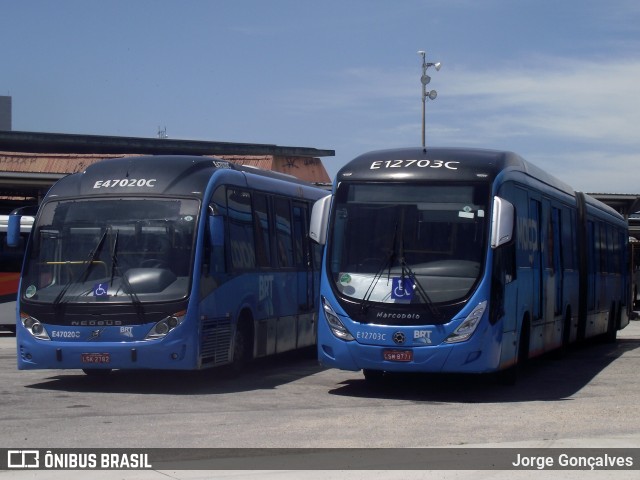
167,262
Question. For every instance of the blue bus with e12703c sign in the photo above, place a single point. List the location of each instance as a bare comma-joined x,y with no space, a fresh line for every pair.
462,260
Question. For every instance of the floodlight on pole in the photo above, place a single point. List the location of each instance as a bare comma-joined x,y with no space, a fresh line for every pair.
431,95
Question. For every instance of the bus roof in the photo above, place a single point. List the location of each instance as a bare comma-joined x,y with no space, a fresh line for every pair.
465,164
158,174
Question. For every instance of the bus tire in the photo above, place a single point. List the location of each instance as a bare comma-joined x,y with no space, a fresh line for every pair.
242,346
373,377
565,340
566,330
509,376
612,326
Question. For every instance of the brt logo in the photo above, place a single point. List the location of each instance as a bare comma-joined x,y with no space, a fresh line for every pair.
265,287
422,336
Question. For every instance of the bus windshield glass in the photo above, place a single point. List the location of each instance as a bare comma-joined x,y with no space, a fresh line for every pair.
111,250
408,243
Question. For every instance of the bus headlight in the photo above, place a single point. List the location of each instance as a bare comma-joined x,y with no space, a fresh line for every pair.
468,326
336,326
164,326
34,327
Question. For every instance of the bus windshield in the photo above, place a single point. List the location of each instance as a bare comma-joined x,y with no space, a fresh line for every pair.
408,243
111,250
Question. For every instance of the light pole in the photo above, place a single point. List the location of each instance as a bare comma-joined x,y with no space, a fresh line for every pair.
425,79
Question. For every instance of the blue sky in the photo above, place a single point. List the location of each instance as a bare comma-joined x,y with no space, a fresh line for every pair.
557,81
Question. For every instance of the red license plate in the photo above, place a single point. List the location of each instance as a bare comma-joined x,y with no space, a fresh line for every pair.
398,355
95,357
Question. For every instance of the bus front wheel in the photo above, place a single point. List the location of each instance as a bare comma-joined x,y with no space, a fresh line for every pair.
510,375
373,376
242,346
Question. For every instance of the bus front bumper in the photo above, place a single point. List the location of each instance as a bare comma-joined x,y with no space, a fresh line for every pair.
35,354
480,354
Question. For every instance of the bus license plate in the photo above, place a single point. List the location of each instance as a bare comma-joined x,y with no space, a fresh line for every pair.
95,357
398,355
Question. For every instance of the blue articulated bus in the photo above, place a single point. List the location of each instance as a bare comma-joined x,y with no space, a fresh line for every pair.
462,260
168,262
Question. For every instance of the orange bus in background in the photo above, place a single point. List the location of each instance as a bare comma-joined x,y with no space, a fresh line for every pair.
10,265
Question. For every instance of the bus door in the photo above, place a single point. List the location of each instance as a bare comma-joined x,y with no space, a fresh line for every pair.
536,258
555,253
593,236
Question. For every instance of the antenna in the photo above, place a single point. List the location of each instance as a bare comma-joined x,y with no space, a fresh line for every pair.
162,133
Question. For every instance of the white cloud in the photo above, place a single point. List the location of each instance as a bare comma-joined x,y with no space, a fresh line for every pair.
578,119
586,100
593,171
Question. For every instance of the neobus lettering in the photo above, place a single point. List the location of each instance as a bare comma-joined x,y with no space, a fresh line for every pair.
126,182
418,163
93,323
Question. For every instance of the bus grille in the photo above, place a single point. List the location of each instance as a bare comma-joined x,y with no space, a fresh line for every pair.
216,341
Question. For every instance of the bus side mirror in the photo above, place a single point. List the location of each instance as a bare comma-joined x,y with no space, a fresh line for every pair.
13,230
502,221
20,220
319,219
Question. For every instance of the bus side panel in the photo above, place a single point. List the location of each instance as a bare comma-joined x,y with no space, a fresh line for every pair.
542,294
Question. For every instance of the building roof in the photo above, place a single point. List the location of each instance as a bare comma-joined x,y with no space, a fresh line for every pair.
40,142
30,162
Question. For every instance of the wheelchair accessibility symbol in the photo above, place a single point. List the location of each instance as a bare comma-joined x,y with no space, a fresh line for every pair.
402,288
100,290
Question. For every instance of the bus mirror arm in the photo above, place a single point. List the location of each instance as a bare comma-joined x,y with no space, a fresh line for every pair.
319,219
502,222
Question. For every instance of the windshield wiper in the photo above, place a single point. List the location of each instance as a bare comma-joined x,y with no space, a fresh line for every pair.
388,260
85,273
115,268
428,303
416,284
114,257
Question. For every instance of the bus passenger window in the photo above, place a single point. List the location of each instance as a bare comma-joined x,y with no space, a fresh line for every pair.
283,233
261,230
241,241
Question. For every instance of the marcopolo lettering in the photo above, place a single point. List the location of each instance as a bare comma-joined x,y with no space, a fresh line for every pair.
399,316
